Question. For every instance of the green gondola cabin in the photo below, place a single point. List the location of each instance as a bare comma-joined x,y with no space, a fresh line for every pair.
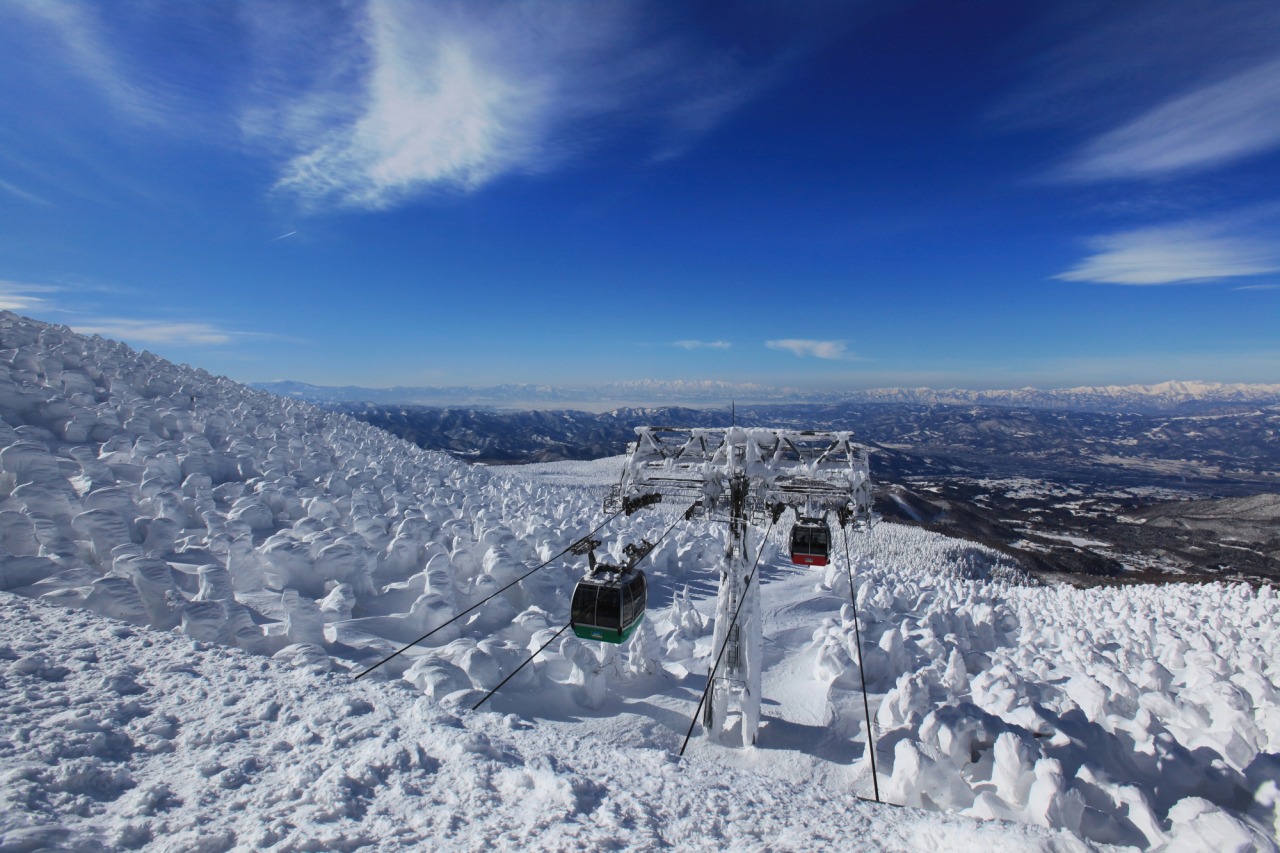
608,605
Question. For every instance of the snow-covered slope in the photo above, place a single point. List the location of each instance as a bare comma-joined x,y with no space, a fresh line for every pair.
116,737
200,526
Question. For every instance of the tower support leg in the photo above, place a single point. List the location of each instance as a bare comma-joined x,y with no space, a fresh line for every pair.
738,676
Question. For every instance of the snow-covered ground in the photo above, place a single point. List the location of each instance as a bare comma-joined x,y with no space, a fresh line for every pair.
595,472
225,561
121,737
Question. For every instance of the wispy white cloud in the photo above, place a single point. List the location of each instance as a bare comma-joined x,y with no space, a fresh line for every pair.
88,51
835,350
153,331
701,344
369,103
451,95
1096,66
1204,128
1258,287
72,304
23,194
22,296
1175,254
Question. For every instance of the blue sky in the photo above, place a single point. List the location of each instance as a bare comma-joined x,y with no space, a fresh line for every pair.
848,195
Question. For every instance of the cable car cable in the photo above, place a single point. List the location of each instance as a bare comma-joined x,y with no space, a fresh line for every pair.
684,516
489,598
711,676
528,661
857,638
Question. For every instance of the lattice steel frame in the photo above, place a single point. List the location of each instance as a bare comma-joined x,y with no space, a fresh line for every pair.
751,473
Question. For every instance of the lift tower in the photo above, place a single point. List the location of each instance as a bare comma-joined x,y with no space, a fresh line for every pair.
750,474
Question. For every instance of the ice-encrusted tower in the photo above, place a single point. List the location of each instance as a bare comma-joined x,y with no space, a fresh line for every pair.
748,474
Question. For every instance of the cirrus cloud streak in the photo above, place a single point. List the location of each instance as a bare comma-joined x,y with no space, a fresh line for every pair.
1174,254
28,297
22,296
1204,128
154,331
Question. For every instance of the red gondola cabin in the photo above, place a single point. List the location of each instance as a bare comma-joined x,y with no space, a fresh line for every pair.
810,542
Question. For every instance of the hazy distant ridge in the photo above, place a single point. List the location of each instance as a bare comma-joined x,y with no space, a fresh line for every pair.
1107,397
1146,398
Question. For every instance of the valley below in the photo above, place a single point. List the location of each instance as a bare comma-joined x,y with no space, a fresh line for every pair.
1087,497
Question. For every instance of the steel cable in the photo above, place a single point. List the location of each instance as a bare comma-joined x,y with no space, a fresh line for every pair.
857,638
528,661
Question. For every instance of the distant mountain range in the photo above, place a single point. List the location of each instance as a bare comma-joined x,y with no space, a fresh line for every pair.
645,391
1181,397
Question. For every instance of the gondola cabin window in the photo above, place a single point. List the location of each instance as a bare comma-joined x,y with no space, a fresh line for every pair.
633,599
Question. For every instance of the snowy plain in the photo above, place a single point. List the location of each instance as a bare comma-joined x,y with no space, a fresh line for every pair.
194,571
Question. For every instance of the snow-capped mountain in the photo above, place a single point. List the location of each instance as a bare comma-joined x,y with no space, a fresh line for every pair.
192,572
1161,397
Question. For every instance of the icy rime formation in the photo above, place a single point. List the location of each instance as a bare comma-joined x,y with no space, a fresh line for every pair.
166,497
162,495
1130,716
112,737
